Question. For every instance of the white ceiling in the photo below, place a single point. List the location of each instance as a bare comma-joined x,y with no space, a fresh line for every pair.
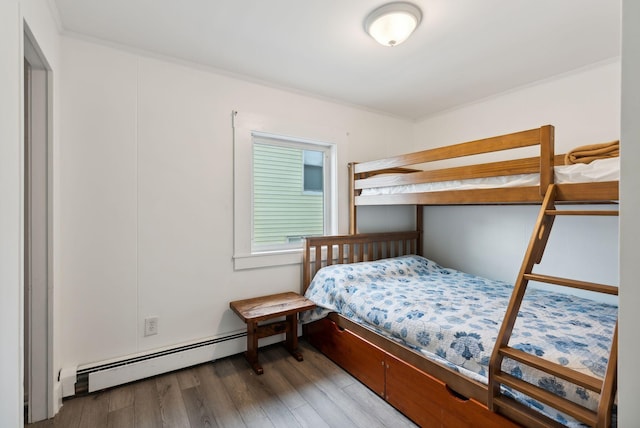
463,51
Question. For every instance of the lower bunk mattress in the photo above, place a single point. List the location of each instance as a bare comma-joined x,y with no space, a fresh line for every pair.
453,318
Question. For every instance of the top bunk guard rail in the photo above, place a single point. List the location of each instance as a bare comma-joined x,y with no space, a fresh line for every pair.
494,169
538,136
542,137
398,170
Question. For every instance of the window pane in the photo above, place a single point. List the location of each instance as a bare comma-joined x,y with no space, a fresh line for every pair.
313,157
313,176
283,211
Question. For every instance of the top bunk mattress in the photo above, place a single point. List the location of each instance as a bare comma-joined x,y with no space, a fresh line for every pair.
600,170
453,318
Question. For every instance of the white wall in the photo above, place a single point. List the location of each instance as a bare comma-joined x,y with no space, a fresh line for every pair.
629,347
490,241
147,196
584,107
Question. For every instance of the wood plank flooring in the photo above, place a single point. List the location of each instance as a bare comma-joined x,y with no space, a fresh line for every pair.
227,393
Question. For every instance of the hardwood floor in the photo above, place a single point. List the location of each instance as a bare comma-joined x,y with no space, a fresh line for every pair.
227,393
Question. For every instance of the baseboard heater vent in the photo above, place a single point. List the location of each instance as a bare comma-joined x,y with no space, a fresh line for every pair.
96,378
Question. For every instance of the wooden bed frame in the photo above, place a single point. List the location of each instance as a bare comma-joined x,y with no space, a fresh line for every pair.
429,393
401,170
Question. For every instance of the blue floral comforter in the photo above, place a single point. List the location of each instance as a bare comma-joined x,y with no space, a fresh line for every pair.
453,317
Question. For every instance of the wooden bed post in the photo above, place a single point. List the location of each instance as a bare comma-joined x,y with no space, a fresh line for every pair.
546,157
352,199
419,228
306,267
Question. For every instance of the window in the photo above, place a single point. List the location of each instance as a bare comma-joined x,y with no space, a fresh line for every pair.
289,200
284,187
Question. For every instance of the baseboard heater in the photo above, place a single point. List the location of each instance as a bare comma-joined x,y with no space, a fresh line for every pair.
98,377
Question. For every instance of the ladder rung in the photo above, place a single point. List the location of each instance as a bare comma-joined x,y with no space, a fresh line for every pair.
523,414
574,283
569,407
582,212
586,381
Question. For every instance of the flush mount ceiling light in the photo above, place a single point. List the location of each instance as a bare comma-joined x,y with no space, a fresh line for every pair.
392,23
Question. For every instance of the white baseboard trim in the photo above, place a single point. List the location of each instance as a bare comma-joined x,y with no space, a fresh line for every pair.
56,399
96,377
68,379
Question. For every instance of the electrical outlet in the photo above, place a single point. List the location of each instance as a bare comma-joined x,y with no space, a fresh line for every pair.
150,326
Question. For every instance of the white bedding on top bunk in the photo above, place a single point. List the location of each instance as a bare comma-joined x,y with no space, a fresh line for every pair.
596,171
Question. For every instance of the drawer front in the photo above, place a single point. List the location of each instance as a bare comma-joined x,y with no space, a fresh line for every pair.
429,402
360,358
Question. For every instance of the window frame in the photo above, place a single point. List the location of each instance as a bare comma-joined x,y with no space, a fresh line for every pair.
244,125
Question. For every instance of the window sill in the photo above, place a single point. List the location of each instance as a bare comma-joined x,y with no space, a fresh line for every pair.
267,259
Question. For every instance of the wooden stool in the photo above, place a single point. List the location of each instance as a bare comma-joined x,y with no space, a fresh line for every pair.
264,308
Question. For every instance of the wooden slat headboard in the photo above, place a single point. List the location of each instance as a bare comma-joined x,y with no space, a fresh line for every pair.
323,251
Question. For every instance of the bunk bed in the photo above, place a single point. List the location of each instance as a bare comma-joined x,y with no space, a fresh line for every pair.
521,179
490,384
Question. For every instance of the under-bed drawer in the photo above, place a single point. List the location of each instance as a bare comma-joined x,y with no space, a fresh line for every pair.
430,403
420,396
360,358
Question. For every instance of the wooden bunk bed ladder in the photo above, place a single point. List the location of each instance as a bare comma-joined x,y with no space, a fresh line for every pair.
605,387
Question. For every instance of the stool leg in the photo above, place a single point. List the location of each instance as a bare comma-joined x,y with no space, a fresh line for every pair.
252,347
292,337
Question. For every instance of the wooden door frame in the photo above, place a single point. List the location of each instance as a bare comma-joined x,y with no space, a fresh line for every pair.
37,232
